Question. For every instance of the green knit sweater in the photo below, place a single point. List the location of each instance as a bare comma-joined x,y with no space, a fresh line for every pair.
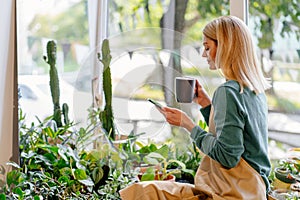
241,129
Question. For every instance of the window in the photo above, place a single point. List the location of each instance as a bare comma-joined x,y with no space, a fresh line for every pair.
141,68
275,25
65,22
150,46
152,43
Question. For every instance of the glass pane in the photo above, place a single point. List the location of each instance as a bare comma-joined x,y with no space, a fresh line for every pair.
153,42
275,26
38,22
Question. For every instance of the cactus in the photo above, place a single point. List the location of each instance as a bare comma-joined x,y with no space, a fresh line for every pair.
106,116
65,111
54,85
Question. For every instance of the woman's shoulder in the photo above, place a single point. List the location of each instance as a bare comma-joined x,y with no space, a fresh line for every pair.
232,89
229,89
230,85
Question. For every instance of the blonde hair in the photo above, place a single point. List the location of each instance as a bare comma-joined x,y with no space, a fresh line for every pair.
236,55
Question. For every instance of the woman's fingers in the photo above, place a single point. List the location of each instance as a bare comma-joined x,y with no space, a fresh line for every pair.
198,84
202,97
177,117
172,115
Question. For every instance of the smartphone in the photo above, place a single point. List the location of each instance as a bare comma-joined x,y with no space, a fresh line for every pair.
155,103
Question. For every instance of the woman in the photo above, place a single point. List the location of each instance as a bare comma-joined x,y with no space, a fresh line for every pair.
237,113
236,164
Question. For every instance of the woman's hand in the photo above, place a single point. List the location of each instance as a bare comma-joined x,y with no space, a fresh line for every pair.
202,98
177,117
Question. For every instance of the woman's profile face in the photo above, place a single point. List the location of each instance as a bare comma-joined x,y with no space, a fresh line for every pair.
210,49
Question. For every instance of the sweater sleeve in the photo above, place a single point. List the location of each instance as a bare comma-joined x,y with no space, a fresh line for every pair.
227,146
205,113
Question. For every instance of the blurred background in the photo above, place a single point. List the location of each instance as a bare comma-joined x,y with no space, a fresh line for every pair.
152,41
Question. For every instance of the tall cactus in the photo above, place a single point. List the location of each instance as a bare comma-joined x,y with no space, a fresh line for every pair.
54,85
106,116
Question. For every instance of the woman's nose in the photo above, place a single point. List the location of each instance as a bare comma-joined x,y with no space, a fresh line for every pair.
204,53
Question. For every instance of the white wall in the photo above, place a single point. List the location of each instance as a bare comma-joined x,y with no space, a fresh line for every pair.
7,35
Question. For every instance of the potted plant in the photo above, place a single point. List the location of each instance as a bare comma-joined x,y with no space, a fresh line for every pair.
191,157
55,163
65,170
285,179
286,173
160,159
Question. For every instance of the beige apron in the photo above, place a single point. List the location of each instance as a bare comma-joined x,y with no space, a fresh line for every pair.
159,190
212,181
240,182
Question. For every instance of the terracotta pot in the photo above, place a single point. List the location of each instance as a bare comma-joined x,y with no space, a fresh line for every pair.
120,139
144,168
171,177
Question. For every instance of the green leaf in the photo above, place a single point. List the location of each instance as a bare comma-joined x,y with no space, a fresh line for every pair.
51,157
51,183
13,177
150,160
148,149
26,192
181,164
49,132
79,165
202,124
2,197
34,166
19,192
63,179
47,174
192,172
155,155
117,157
61,152
80,174
47,147
87,182
72,153
94,156
28,155
13,164
36,197
44,159
148,175
31,186
66,171
152,147
97,174
61,163
164,151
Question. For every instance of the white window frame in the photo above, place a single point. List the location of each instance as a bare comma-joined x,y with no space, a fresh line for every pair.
240,9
